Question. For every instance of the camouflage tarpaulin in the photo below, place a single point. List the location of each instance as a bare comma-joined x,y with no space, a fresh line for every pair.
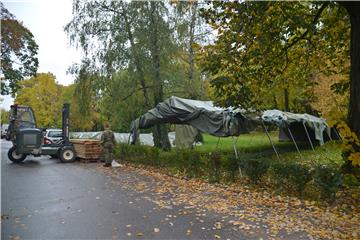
284,119
202,115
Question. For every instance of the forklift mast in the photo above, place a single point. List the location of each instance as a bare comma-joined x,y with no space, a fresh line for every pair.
65,123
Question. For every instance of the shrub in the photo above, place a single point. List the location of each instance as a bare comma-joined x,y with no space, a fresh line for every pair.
214,166
193,166
292,175
351,180
255,168
188,161
152,156
231,166
137,153
328,180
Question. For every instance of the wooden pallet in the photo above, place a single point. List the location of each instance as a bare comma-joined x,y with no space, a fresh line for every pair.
91,160
88,149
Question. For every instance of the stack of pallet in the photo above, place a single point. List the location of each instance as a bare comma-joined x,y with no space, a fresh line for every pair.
88,149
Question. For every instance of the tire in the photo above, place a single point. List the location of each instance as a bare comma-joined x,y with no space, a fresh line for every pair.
16,158
67,154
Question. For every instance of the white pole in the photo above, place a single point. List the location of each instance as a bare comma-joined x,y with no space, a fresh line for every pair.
292,137
236,154
307,134
217,144
272,144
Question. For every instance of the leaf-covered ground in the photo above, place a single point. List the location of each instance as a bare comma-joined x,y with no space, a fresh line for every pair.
257,213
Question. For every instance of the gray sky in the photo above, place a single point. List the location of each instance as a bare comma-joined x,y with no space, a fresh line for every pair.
46,20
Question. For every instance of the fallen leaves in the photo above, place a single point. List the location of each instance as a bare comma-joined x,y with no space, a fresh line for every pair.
218,225
15,237
250,211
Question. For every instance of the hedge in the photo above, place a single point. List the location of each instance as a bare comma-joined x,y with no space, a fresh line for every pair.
222,166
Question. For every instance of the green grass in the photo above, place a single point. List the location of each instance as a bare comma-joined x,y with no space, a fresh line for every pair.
251,142
257,145
212,143
328,154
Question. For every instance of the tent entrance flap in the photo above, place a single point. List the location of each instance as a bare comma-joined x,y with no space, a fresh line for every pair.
185,136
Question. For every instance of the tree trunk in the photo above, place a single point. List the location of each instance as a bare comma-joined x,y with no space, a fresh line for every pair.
191,92
285,83
354,105
135,55
286,100
160,132
275,104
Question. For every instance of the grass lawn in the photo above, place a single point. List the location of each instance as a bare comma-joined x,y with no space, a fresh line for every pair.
257,144
251,141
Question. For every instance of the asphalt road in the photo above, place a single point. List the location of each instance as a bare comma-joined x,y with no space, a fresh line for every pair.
45,199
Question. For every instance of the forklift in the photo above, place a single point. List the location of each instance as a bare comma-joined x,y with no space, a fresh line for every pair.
29,140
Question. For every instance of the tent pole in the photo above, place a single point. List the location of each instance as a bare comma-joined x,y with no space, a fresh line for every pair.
338,134
292,137
307,134
217,144
272,144
236,154
330,136
237,139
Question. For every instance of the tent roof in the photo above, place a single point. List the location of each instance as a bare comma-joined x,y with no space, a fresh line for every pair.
202,115
207,118
284,119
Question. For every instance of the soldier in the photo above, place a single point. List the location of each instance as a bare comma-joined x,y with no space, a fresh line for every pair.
107,142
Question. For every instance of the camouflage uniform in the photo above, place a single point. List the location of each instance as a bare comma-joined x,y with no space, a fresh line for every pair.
108,142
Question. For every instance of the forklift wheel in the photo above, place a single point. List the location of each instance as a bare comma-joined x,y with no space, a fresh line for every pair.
14,157
67,154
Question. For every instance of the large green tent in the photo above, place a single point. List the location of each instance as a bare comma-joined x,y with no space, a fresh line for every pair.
202,115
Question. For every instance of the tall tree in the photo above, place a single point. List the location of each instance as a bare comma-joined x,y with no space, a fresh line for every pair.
18,52
190,32
4,115
161,138
353,9
44,95
133,37
261,41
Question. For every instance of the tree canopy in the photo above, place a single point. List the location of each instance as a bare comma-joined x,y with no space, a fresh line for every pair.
18,52
145,50
268,53
268,49
44,95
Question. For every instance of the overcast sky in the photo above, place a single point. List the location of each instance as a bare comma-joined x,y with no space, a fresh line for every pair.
46,20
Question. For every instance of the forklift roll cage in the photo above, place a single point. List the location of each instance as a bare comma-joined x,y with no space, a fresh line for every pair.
28,140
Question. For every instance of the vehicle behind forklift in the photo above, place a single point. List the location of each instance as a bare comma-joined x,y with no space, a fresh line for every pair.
28,140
